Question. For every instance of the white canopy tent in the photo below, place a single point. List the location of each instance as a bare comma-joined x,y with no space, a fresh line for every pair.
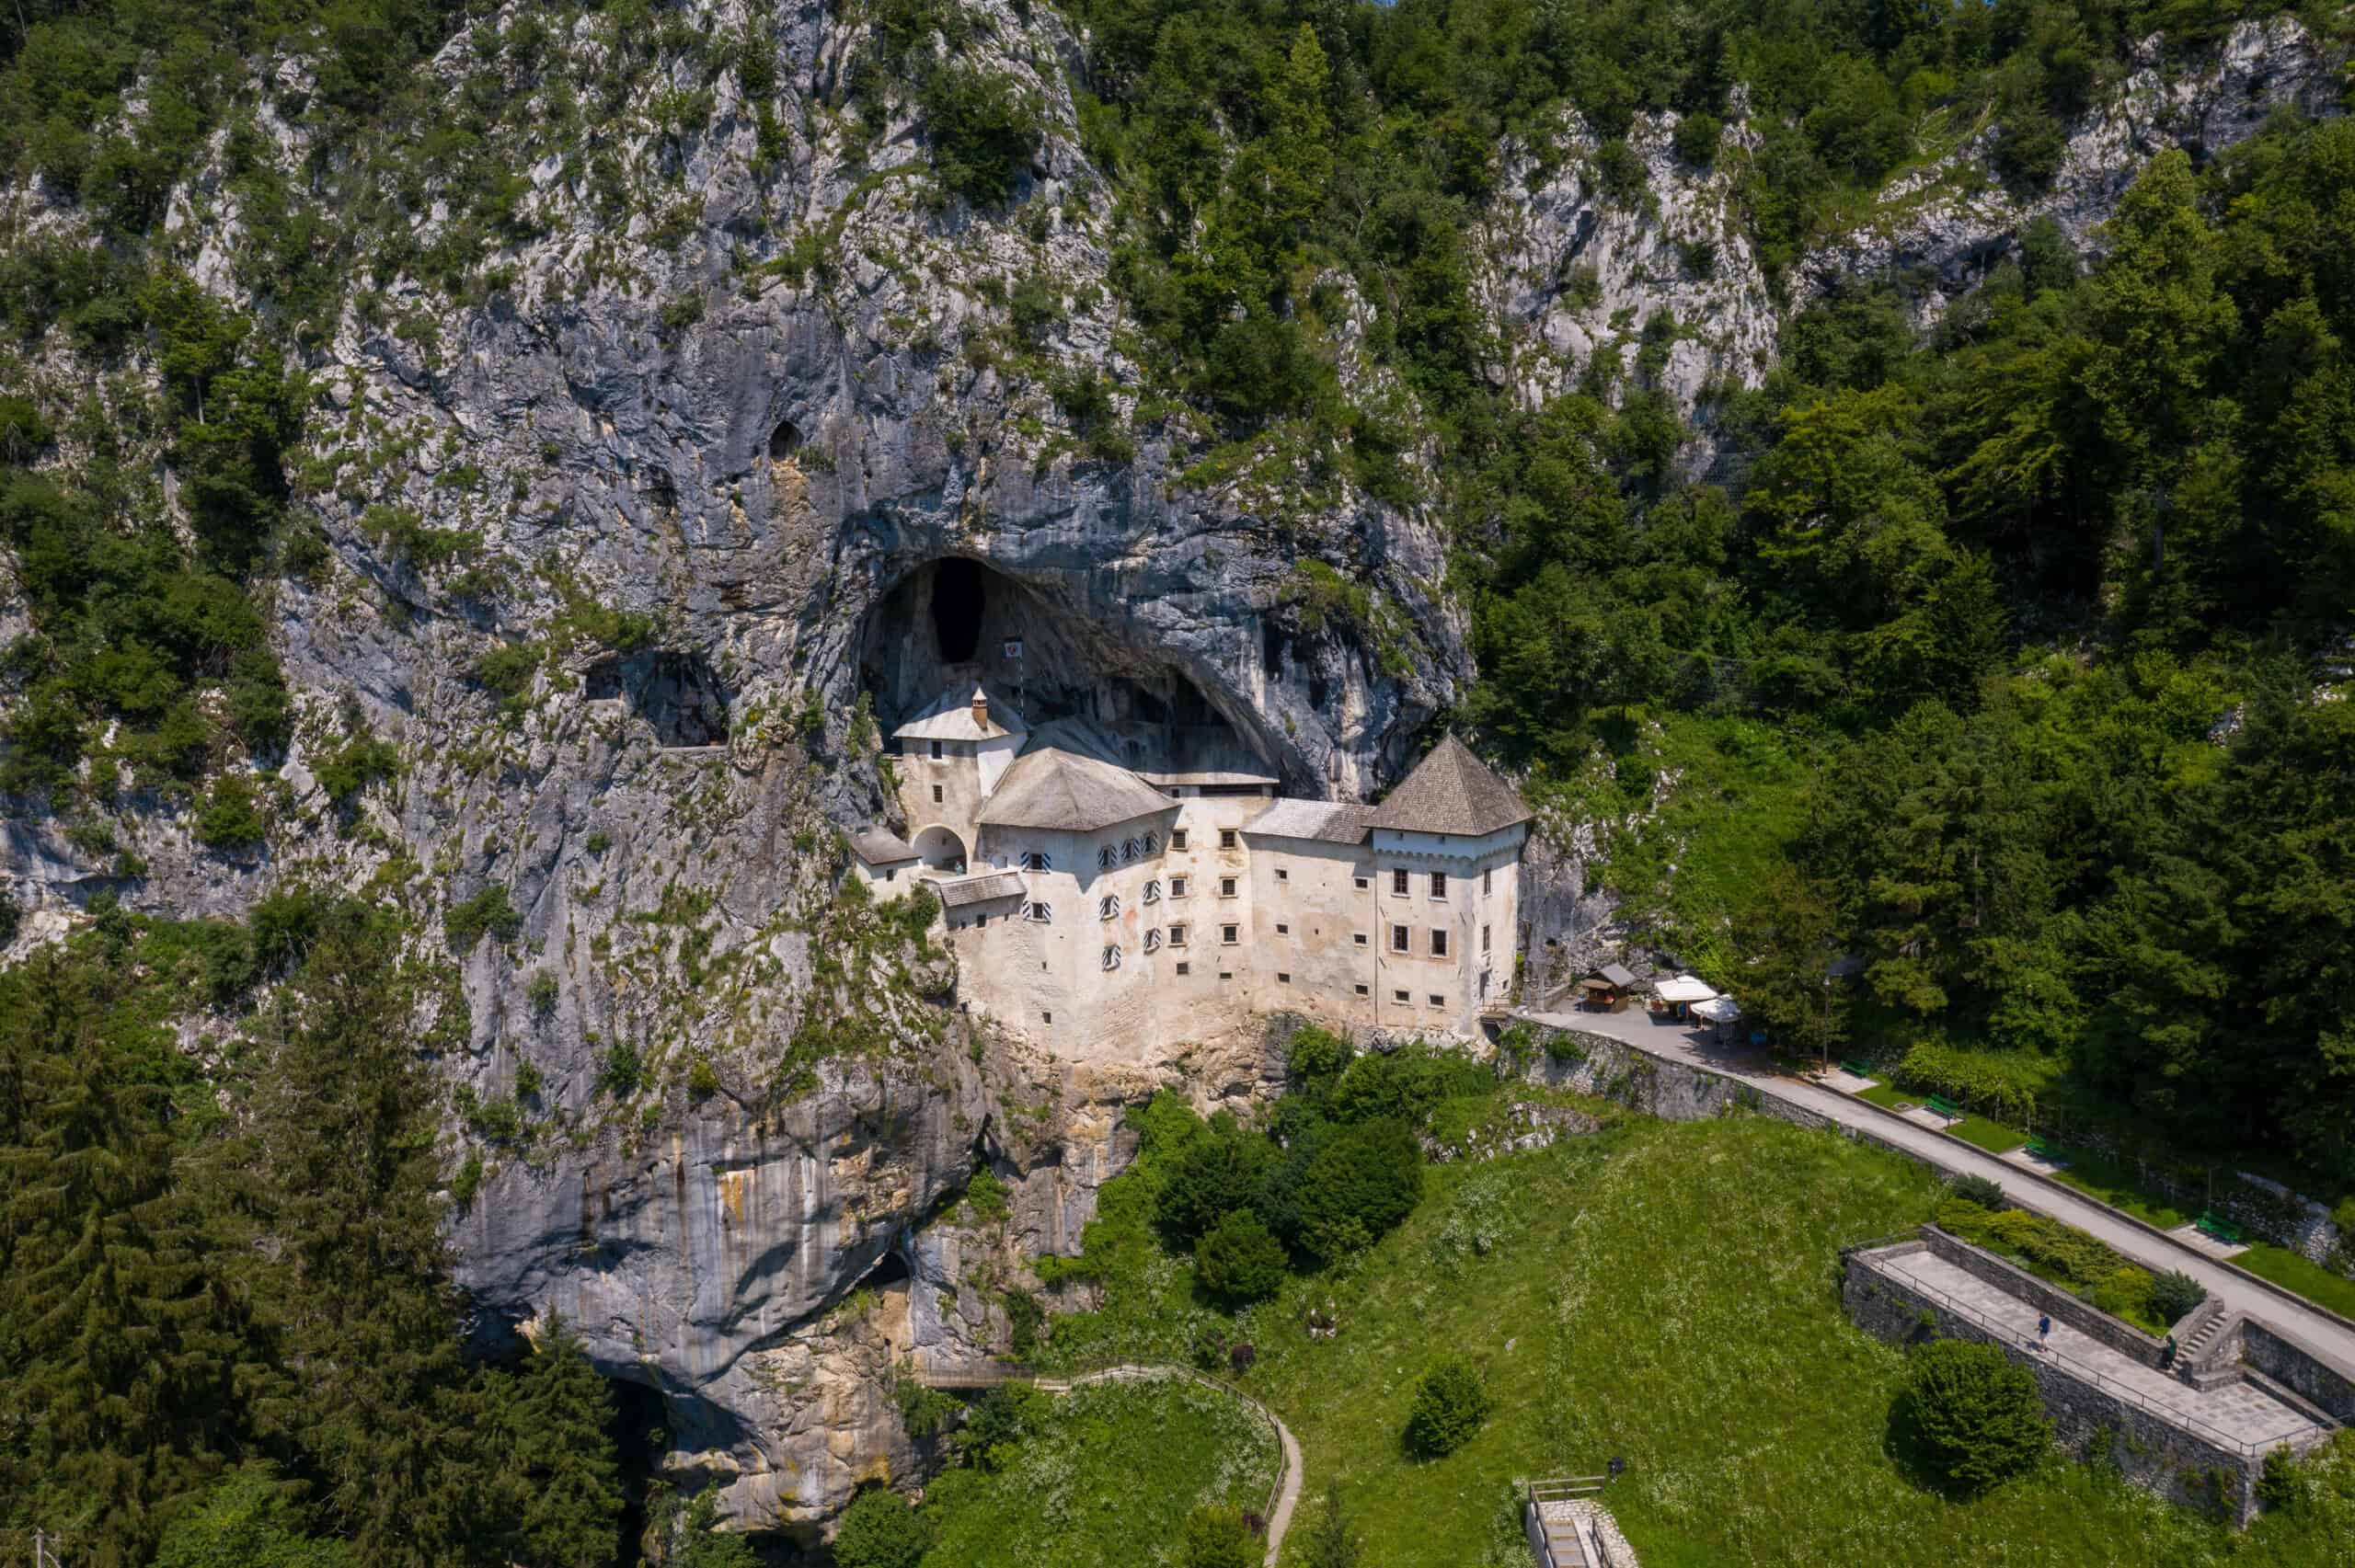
1718,1009
1684,987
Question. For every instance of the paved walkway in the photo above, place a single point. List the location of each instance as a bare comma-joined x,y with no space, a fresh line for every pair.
2317,1331
2238,1409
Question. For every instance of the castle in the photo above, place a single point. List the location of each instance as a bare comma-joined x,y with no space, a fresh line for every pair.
1113,886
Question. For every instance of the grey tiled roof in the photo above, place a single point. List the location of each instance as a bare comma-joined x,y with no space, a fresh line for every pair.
1049,788
1450,791
1325,821
981,889
880,846
949,716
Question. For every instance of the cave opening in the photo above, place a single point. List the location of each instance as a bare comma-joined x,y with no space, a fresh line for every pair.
679,695
640,1431
891,1269
784,441
958,603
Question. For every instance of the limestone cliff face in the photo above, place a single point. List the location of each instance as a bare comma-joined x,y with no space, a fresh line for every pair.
744,405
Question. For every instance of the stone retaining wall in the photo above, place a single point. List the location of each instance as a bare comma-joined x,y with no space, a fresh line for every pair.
2088,1421
2295,1367
2074,1310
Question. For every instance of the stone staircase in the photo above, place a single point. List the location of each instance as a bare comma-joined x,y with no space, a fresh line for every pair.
2205,1353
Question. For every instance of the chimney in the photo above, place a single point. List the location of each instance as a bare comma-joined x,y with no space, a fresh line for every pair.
980,710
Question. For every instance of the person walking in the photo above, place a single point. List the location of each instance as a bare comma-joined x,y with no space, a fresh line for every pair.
2043,1329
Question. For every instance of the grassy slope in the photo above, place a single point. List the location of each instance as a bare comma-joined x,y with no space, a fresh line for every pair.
1111,1481
2309,1279
1665,1294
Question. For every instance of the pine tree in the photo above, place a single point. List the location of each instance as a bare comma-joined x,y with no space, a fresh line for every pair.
563,1495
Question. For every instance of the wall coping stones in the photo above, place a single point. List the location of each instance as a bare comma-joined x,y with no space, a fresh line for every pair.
2074,1310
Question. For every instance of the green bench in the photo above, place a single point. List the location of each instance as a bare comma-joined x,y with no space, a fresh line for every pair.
2038,1147
1854,1068
2224,1230
1945,1108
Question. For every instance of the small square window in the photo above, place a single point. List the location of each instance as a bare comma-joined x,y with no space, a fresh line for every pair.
935,794
1282,979
1363,882
1230,935
1226,886
1359,939
1439,884
1177,886
1283,930
1398,883
1176,936
1437,1000
1282,875
1226,974
935,751
1226,838
1439,943
1184,968
1361,990
1176,838
1399,941
1401,998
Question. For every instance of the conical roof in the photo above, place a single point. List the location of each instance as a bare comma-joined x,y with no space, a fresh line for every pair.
1450,791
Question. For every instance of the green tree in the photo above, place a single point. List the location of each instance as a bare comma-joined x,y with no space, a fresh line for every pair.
1217,1175
1330,1540
1240,1259
1362,1184
1218,1538
560,1476
1451,1402
248,1520
1973,1416
879,1530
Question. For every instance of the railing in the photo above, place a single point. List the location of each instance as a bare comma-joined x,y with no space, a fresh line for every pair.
999,1373
1566,1489
2131,1395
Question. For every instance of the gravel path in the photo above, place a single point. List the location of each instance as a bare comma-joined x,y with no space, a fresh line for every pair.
2319,1332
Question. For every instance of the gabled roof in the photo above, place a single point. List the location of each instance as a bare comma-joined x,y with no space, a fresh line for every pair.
1326,821
949,716
1450,791
1050,787
980,889
880,846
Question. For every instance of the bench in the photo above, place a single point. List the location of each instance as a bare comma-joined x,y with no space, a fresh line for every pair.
2038,1147
1855,1068
1945,1108
2219,1226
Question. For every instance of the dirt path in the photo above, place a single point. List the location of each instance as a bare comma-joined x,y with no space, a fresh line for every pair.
1287,1494
2319,1331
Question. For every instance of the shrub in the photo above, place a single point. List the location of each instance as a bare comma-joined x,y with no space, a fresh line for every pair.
1317,1054
1218,1538
1985,1191
1973,1417
2175,1295
1450,1405
703,1080
1696,138
1240,1259
1362,1184
2124,1292
983,130
540,992
488,912
528,1081
879,1530
231,819
988,1197
619,1071
1619,173
1220,1174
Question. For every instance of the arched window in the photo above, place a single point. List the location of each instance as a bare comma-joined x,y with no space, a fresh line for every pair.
1153,891
1107,858
1040,910
1108,907
1152,940
1112,956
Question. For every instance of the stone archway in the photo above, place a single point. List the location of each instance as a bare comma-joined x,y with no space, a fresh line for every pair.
940,849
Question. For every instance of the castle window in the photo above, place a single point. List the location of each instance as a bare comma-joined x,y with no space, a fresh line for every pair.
1361,990
1282,875
1484,939
1483,880
1047,1016
1113,959
1439,943
1401,998
1226,886
1185,968
935,751
1398,883
1178,936
1359,938
1226,838
1040,912
1153,891
1177,886
1107,858
1037,860
1484,982
1230,935
1362,882
935,794
1176,838
1282,979
1153,844
1439,884
1108,907
1128,849
1399,941
1437,1000
1152,940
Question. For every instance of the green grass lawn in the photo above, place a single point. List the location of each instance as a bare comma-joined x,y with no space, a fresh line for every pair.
1993,1136
2115,1185
1111,1480
2293,1272
1894,1099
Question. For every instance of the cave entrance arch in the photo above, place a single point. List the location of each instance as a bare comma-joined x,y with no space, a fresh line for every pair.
940,849
784,441
640,1431
959,603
